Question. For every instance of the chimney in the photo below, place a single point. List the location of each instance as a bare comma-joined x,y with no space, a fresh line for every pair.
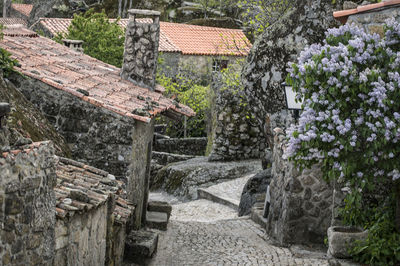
74,44
141,48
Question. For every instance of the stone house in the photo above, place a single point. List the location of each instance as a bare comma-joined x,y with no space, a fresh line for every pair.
63,212
92,216
108,121
58,211
22,11
207,49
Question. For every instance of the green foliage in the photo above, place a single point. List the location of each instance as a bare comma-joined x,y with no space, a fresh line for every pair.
259,14
6,62
382,246
103,39
185,90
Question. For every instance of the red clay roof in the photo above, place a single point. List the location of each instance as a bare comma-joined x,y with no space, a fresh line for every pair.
343,15
81,188
13,21
24,9
184,38
200,40
79,74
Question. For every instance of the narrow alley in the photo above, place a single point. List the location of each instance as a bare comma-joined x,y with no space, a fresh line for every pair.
204,232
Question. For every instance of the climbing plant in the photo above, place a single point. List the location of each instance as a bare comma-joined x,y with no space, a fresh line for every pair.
350,124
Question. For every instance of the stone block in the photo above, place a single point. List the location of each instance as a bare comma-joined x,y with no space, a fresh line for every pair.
14,204
341,239
157,220
160,206
140,245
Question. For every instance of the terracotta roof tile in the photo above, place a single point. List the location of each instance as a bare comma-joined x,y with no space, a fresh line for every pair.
184,38
13,21
343,15
81,188
200,40
65,69
24,9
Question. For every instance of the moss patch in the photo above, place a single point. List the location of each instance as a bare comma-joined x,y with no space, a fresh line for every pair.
26,121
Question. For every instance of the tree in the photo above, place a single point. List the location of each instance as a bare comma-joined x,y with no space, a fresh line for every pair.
259,14
103,39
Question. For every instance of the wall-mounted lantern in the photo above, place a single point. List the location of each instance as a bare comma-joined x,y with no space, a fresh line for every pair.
291,102
4,110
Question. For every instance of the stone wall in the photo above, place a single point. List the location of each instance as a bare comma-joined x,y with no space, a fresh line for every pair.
141,49
301,202
27,201
81,240
373,21
187,146
139,172
95,135
236,135
305,23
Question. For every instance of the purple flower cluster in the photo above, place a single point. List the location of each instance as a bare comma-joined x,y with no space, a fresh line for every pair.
351,87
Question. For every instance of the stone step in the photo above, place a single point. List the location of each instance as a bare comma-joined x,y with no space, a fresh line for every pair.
157,220
159,206
140,246
208,195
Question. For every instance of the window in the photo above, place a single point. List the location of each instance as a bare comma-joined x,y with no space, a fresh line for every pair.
219,64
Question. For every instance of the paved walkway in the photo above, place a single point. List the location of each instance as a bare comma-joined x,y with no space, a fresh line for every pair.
202,232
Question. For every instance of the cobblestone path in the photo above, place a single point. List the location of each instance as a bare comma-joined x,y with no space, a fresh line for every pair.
202,232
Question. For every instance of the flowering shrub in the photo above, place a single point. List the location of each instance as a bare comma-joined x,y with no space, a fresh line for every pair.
350,122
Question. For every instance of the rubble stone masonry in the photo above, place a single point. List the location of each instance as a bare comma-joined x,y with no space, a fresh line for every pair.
373,22
301,202
27,214
141,49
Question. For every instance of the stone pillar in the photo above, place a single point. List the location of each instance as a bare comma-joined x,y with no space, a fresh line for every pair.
141,48
138,179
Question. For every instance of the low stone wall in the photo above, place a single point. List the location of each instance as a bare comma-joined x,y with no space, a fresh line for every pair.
163,158
188,146
81,240
373,22
27,201
301,202
95,135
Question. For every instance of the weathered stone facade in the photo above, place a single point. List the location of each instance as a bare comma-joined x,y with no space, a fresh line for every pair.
27,205
141,49
301,202
95,135
373,22
81,240
305,23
